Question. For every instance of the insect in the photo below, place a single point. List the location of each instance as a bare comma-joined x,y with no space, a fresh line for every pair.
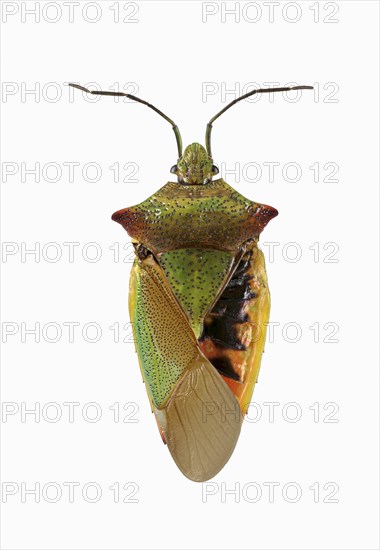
199,302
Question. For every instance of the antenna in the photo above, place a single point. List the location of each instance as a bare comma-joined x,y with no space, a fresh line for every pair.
252,92
134,98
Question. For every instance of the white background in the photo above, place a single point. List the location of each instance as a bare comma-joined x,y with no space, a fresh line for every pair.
172,56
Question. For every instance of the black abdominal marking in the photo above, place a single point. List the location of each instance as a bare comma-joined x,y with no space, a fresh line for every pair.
226,314
223,365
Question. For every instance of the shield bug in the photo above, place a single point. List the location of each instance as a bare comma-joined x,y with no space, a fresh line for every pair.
199,302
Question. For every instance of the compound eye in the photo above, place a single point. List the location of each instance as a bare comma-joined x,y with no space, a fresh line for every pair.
214,169
174,169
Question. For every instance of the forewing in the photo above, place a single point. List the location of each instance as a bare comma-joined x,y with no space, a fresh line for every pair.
197,413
